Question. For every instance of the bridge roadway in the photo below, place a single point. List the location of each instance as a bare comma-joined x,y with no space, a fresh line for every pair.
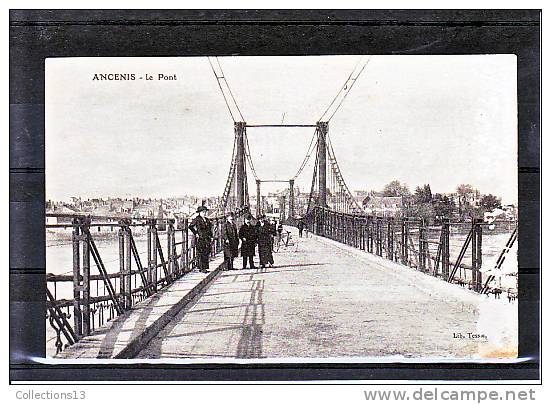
321,300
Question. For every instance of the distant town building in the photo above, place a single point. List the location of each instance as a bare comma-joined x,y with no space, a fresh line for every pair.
383,205
360,196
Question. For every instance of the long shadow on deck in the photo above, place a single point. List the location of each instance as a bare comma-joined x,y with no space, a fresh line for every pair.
251,326
250,341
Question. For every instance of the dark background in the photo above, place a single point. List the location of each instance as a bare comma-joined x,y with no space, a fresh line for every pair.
38,34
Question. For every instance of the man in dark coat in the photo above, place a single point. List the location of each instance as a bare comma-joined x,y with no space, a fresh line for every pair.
231,241
201,227
247,234
300,227
266,233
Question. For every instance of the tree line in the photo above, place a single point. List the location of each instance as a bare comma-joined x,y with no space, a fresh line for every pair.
467,201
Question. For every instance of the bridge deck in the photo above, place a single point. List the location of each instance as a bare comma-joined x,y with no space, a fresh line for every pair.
322,300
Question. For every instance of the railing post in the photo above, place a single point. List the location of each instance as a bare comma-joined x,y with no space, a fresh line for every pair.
474,261
346,228
127,297
476,255
128,269
390,238
316,221
322,221
77,314
185,252
422,254
339,227
346,221
343,229
361,233
351,238
370,234
445,248
357,231
353,231
378,236
152,254
335,226
405,235
330,225
355,224
350,227
149,253
149,249
122,266
184,257
326,216
86,284
170,248
479,254
403,241
178,268
366,233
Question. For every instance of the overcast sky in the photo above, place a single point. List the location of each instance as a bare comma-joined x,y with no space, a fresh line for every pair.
441,120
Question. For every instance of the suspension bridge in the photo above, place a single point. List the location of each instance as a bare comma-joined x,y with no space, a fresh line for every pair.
354,285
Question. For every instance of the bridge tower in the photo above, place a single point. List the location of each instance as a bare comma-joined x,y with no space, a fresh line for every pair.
240,175
258,199
322,129
291,199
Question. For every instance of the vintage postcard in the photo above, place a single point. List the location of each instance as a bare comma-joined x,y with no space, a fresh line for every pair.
351,208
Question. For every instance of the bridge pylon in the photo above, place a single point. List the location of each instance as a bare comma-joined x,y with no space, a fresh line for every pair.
258,199
322,129
240,174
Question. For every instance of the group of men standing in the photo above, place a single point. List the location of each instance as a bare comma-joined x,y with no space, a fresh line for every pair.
249,236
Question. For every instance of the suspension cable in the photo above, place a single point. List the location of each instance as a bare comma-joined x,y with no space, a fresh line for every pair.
344,90
338,175
229,180
229,89
311,147
222,78
249,158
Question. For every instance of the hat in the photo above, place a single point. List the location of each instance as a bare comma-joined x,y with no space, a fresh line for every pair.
230,213
201,208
